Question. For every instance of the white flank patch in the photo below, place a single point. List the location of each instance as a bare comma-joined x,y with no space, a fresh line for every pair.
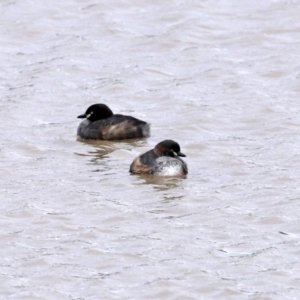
112,128
174,170
169,166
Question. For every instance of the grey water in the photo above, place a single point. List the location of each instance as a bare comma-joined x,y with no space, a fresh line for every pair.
219,77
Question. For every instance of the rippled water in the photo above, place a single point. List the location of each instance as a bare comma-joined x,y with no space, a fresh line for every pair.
219,77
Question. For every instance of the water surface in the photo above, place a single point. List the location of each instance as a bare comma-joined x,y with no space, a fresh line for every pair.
219,77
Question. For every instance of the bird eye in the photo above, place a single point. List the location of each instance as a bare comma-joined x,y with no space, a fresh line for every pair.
89,114
175,154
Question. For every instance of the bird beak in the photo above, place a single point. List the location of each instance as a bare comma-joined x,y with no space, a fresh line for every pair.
82,116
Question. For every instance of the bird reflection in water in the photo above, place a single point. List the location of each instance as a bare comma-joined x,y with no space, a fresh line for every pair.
101,149
162,183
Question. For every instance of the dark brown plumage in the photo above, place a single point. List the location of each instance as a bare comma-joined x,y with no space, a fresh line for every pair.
162,160
102,124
